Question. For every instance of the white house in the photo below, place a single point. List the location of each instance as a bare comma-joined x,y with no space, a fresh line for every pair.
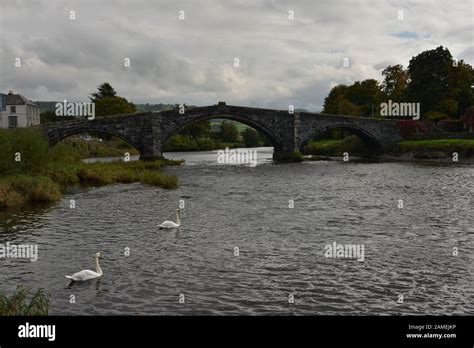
17,111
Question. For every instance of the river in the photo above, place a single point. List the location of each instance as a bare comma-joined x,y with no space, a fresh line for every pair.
242,250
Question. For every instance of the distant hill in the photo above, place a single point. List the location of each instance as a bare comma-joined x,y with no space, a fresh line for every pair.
51,106
154,107
46,105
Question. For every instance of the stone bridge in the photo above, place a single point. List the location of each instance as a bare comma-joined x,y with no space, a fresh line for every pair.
148,131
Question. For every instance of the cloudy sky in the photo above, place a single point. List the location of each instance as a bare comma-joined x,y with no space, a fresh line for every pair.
281,61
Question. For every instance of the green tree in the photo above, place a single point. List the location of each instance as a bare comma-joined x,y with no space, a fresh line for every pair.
395,82
228,132
367,95
359,99
448,106
430,75
113,106
334,98
250,137
198,129
460,81
348,108
104,90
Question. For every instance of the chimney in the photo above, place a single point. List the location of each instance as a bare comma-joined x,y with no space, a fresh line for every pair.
10,92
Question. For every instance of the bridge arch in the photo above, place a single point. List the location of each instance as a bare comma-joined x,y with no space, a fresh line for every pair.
367,137
66,133
274,140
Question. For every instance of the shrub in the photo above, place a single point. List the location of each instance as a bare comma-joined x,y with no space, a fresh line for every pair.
324,147
43,189
294,156
18,304
31,146
94,176
19,189
8,196
353,144
159,179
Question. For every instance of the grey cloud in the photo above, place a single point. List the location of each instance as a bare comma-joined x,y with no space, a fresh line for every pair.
281,61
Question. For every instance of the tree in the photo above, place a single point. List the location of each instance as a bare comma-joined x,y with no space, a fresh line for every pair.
228,132
198,129
250,137
460,81
395,82
107,102
358,99
334,98
448,106
113,106
367,95
104,90
430,74
348,108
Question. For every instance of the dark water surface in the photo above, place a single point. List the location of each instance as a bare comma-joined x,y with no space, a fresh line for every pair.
408,251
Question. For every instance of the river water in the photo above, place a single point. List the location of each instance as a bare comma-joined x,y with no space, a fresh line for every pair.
242,250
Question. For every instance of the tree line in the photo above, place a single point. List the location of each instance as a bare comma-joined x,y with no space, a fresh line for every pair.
442,85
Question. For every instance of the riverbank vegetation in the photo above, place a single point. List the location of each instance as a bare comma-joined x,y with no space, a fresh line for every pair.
323,149
440,84
31,171
97,147
333,147
212,135
19,302
432,149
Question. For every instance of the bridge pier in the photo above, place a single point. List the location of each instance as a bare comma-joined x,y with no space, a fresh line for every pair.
151,152
281,155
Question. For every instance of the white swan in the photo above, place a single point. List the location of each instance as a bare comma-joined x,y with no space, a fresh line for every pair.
171,224
88,274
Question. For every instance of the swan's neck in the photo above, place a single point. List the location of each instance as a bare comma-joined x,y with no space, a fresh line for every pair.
97,266
177,218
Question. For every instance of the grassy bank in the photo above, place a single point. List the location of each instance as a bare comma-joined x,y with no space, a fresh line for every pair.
96,148
329,147
432,149
31,171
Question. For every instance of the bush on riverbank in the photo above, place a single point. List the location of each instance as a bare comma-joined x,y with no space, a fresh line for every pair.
20,189
99,174
294,156
18,303
96,148
21,150
329,147
42,173
433,149
179,142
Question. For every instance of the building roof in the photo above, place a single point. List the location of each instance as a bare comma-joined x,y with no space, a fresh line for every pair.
17,99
